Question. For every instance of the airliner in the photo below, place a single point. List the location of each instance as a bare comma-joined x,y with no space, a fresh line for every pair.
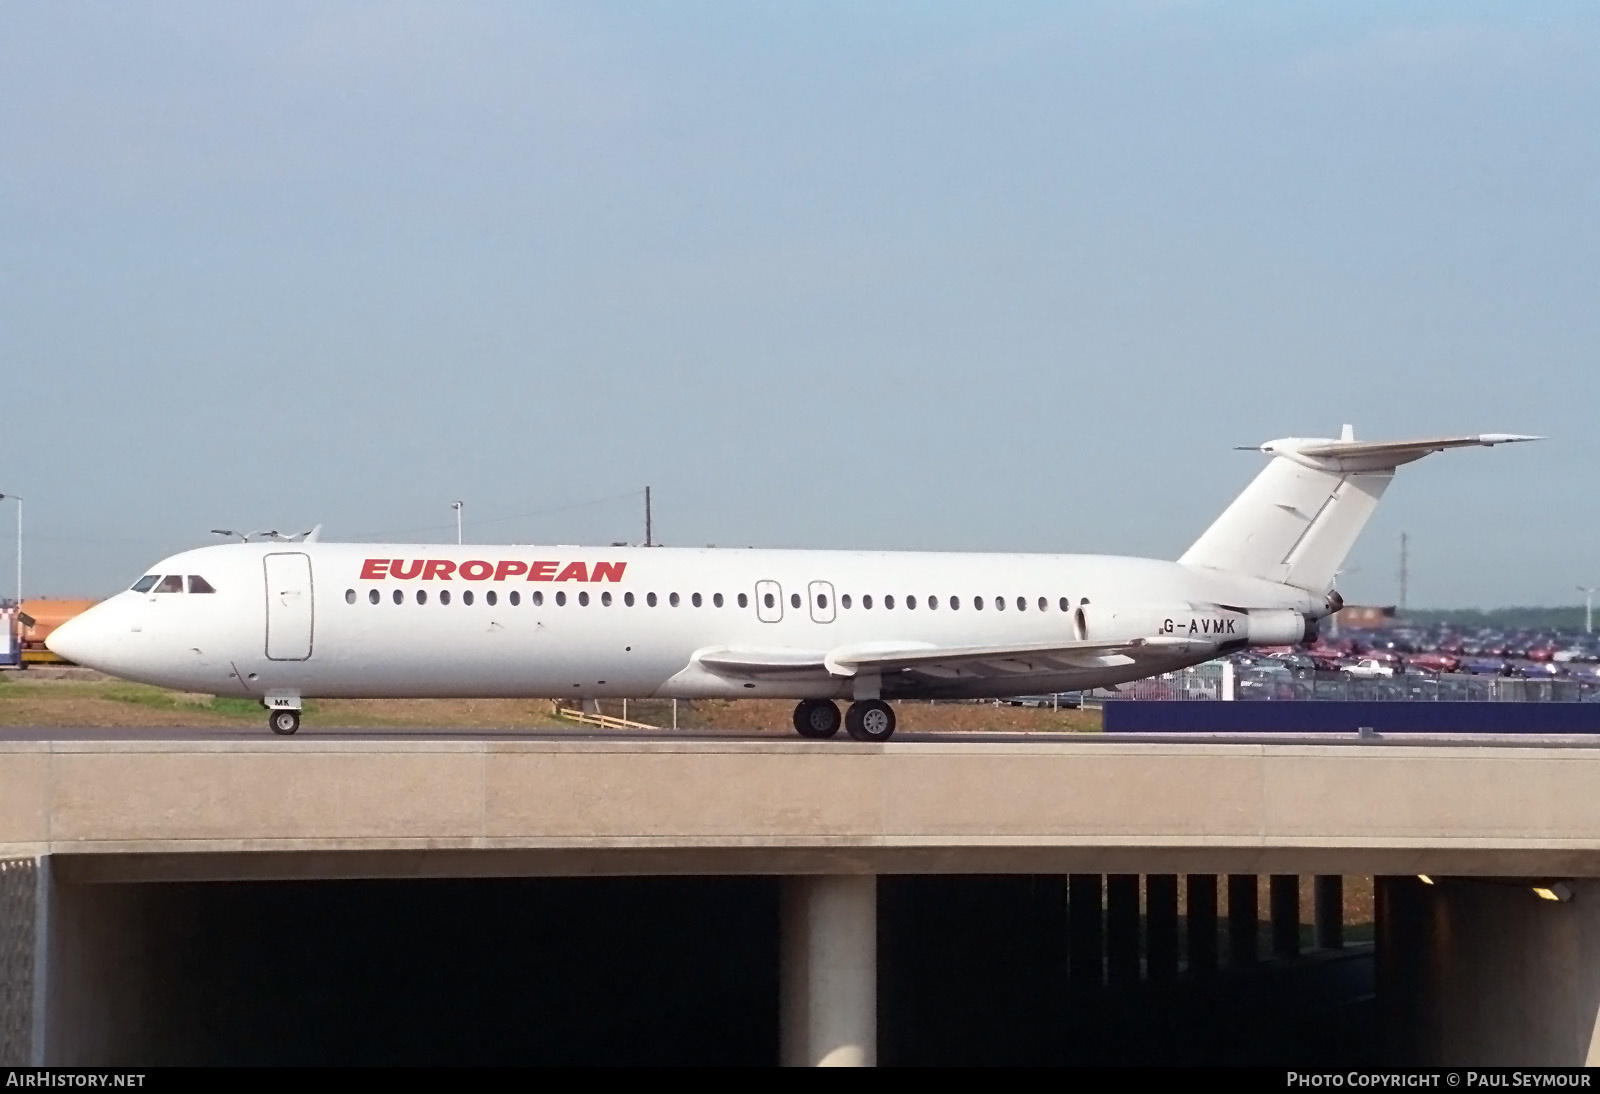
283,622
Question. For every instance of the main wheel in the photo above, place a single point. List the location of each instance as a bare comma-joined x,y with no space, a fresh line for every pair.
870,720
283,722
816,718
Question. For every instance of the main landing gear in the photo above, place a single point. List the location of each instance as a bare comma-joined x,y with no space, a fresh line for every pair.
283,722
866,720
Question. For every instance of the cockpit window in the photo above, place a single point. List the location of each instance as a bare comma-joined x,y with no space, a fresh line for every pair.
198,584
172,583
146,583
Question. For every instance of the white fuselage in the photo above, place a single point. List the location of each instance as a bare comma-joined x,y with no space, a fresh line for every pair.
335,620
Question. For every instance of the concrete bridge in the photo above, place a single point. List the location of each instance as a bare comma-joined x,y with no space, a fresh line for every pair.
1475,968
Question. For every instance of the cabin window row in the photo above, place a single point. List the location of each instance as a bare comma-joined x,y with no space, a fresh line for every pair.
769,600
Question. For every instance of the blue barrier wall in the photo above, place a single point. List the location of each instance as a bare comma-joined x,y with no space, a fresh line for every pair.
1155,716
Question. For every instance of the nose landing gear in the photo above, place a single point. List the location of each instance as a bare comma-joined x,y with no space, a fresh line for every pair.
283,722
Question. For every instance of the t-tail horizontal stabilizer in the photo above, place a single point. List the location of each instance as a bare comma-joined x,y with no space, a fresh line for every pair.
1297,521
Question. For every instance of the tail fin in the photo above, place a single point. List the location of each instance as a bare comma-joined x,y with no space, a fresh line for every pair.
1298,520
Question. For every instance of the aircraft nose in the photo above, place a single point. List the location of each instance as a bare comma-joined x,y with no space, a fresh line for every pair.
81,640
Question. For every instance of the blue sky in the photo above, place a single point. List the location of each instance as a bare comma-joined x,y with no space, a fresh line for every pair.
1002,276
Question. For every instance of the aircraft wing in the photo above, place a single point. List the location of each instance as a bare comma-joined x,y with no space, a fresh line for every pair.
943,661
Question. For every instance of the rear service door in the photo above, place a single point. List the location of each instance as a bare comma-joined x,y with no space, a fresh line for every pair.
289,610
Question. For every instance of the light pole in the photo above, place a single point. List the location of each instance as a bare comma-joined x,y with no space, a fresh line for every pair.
18,500
1588,592
456,505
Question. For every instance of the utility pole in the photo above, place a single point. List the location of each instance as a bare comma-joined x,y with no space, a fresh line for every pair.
18,500
1404,573
1588,592
456,505
648,532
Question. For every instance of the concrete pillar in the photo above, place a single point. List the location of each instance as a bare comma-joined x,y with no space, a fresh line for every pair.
1122,930
1085,930
828,1014
1284,900
1201,911
23,915
1161,927
1328,911
1242,899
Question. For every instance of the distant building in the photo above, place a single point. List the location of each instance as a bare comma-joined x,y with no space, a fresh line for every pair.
1363,617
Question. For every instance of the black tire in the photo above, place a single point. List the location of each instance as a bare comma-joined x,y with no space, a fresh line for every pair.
283,722
870,720
816,719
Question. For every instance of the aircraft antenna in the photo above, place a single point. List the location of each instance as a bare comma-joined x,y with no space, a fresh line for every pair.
648,532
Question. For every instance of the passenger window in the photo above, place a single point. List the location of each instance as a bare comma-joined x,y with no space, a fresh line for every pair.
1064,604
444,596
650,599
422,596
933,602
1022,604
148,582
866,602
198,584
999,603
673,600
822,600
911,603
695,600
537,599
627,598
466,597
561,600
349,596
583,599
489,598
888,602
716,600
372,596
744,601
769,601
794,600
516,598
399,596
844,601
172,583
1044,605
955,602
977,603
605,600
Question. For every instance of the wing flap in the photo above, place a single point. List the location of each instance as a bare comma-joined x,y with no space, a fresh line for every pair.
944,661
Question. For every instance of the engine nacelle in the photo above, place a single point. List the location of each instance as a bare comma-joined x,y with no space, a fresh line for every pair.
1198,622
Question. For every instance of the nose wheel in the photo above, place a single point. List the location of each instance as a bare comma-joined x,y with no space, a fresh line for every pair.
283,722
870,720
816,718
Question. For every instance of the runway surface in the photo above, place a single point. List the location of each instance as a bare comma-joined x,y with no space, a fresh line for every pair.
253,733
